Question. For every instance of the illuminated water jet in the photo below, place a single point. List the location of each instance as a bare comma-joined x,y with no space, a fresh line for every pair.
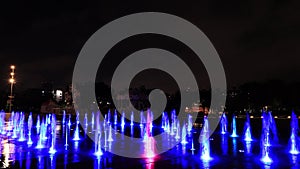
234,134
247,129
224,123
29,142
294,139
204,141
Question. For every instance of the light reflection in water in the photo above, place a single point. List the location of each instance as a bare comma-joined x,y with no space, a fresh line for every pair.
97,163
234,146
248,148
9,153
293,159
28,160
267,167
149,163
40,162
20,157
205,164
53,161
150,166
224,145
76,145
183,150
65,160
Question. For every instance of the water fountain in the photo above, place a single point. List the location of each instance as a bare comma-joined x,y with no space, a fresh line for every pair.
167,127
66,137
131,119
105,134
76,132
22,130
98,151
151,123
52,149
294,139
224,123
40,138
234,134
204,141
85,120
115,118
163,120
45,139
93,121
29,142
123,122
273,128
141,119
177,136
192,147
183,136
108,117
149,144
265,139
110,139
15,126
2,123
44,130
247,129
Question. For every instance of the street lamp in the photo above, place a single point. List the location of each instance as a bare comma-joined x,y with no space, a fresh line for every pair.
12,81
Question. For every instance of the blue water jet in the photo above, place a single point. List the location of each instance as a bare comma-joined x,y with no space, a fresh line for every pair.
204,141
52,149
224,123
29,142
247,129
294,139
234,134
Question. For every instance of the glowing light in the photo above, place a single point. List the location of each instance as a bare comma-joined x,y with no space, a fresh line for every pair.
11,80
266,159
52,151
98,153
206,157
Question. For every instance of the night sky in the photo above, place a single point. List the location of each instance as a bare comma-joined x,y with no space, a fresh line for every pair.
257,40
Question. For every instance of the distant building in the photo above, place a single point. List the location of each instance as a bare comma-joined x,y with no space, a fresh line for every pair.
197,107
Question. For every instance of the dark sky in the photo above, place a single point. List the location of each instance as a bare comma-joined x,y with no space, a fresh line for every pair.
257,40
